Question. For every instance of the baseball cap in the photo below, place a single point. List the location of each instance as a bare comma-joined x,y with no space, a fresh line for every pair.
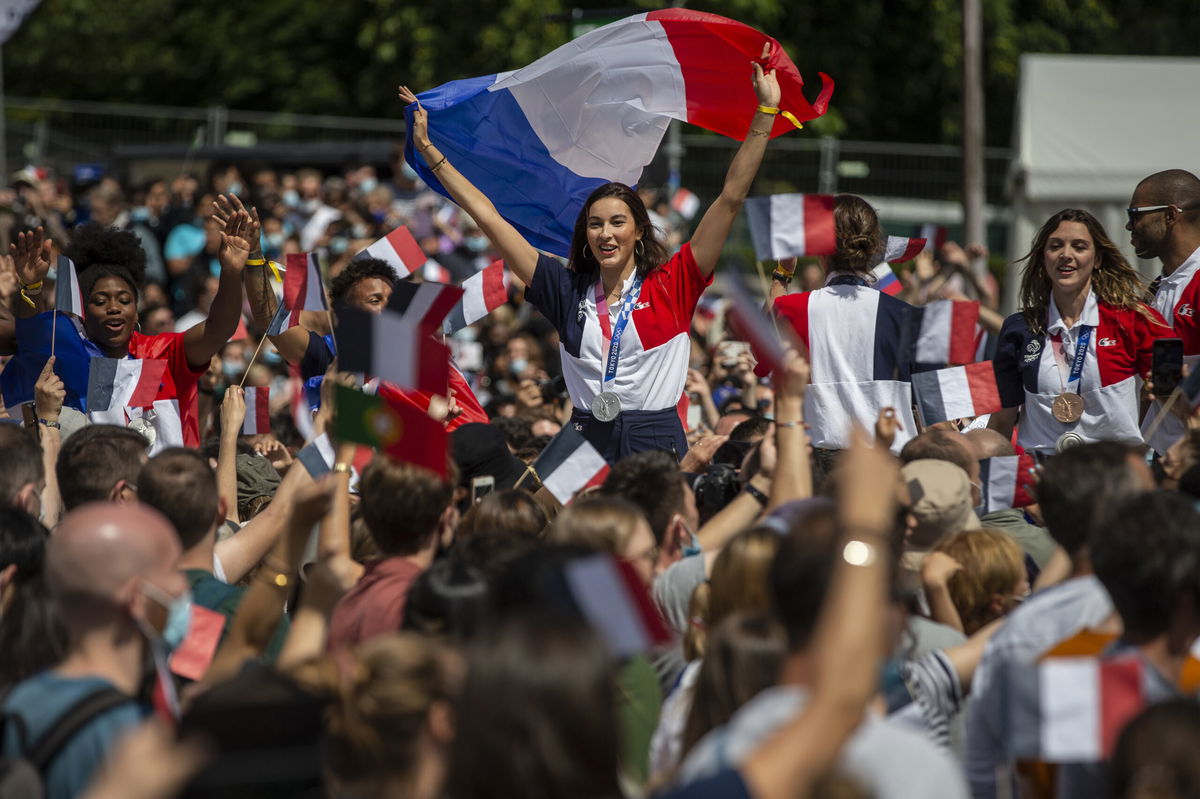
941,500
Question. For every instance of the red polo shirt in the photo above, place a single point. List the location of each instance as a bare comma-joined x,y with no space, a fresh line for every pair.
375,605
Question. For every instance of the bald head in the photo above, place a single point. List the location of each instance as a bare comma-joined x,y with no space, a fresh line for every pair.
1170,187
988,443
99,547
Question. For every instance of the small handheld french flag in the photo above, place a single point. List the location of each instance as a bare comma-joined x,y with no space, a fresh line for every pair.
483,292
118,383
1008,481
899,249
283,319
886,280
568,464
302,288
934,236
943,332
754,324
424,304
258,411
68,294
956,393
616,604
790,225
400,250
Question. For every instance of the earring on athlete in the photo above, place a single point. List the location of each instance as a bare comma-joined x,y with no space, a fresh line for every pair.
587,252
638,244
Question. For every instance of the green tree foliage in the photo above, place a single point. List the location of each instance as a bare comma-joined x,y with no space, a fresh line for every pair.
896,62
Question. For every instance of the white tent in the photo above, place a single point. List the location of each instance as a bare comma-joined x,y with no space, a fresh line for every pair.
1088,128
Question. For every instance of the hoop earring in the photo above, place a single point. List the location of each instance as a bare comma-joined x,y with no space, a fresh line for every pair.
587,252
637,244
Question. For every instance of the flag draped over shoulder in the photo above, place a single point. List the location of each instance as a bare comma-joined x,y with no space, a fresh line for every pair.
538,140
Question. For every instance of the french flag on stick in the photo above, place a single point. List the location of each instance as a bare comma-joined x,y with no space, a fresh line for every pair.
569,464
616,604
943,332
685,203
886,280
118,383
283,319
956,393
424,304
392,347
934,236
900,249
1008,482
538,140
791,225
754,324
258,411
302,288
399,249
1070,709
68,294
483,292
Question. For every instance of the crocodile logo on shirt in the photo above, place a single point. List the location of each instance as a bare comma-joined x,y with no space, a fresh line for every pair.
1186,310
641,305
1107,342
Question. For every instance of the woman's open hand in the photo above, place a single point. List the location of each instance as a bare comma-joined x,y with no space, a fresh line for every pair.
420,131
766,85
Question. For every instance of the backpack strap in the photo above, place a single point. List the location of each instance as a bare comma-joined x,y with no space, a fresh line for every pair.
72,722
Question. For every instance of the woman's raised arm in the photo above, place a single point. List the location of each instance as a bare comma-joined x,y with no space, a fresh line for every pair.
519,255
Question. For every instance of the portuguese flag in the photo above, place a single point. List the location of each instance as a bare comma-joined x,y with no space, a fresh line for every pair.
401,431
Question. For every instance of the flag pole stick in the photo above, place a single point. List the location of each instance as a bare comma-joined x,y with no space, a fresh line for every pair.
1166,408
762,280
253,357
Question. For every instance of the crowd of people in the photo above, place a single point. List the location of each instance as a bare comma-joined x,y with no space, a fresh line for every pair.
784,585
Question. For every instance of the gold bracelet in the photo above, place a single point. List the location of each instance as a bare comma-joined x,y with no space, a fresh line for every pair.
280,580
767,109
341,468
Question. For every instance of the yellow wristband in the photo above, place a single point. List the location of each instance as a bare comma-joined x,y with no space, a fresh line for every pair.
36,285
28,301
256,262
766,109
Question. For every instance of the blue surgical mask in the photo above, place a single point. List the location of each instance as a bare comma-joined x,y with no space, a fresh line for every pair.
235,187
232,369
368,185
476,243
274,241
339,245
140,214
360,231
270,356
291,198
518,366
179,614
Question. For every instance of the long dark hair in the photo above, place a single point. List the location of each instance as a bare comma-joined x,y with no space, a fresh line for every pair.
537,714
1115,282
653,253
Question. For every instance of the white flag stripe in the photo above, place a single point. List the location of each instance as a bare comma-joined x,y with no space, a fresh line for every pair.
956,393
167,425
1002,482
394,350
604,599
1069,688
573,474
787,223
933,343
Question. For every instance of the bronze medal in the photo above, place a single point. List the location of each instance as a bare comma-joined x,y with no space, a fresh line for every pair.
1068,407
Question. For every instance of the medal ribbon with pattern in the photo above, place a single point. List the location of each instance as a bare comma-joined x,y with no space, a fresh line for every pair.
612,336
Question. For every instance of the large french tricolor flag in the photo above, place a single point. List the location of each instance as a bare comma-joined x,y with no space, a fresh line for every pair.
943,332
68,294
399,249
568,464
483,292
302,288
1070,709
956,393
1008,481
538,140
791,225
258,411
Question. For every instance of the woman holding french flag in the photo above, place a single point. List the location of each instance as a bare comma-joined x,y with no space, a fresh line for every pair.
147,382
1070,359
621,306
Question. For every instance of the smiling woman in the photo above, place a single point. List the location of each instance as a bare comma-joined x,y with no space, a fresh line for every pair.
1071,357
622,307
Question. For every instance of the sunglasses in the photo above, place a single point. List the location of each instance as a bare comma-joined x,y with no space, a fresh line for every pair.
1134,213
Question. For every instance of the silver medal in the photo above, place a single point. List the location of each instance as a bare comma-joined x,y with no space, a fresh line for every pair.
606,406
143,426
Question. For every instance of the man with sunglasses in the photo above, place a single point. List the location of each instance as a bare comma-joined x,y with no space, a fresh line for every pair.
1164,223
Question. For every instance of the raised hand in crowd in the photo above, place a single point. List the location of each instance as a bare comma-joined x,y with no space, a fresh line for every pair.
31,260
936,570
233,414
886,426
49,394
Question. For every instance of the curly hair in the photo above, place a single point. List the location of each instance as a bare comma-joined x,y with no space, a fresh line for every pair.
107,252
356,270
653,252
1116,283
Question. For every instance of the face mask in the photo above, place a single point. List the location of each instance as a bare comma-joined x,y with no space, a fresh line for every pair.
360,231
232,369
274,241
311,206
368,185
270,356
693,547
518,366
179,615
140,214
235,187
339,245
291,198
